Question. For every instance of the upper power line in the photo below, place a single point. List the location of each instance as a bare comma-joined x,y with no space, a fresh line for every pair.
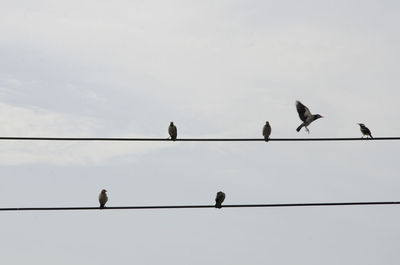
22,138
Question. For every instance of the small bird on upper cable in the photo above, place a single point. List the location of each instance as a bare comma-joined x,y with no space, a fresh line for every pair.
364,130
103,198
306,116
266,131
173,132
219,199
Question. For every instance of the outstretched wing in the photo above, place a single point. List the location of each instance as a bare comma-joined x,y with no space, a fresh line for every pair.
304,112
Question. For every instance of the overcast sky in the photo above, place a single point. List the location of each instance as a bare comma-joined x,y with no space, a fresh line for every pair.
217,69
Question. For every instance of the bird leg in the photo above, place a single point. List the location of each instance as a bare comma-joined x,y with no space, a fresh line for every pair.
307,129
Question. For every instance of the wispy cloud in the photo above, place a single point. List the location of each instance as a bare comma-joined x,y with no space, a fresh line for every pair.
20,121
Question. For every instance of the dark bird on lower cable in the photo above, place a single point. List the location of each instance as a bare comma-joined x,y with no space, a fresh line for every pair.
365,131
266,131
306,116
219,199
173,132
103,198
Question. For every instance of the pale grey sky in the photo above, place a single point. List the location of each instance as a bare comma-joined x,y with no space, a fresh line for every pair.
215,68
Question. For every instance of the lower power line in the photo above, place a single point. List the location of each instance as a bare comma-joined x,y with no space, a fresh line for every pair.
277,205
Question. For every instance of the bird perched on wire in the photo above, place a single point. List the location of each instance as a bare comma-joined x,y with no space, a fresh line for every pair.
364,130
173,132
219,199
306,116
103,198
266,131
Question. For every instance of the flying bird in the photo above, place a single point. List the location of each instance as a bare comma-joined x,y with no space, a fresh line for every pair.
364,130
219,199
172,131
103,198
306,116
266,131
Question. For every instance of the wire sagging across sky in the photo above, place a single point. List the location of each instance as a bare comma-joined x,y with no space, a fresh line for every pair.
128,139
273,205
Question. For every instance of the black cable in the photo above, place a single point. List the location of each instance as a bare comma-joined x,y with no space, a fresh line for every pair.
15,138
313,204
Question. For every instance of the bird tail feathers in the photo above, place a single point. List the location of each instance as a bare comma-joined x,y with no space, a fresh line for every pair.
299,128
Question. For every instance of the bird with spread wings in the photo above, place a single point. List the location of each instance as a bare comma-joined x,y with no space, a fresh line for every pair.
306,116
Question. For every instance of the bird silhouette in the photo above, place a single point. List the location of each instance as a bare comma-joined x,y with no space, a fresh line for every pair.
306,116
103,198
173,132
266,131
219,199
364,130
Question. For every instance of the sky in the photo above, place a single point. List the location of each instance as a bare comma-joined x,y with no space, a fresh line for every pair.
217,69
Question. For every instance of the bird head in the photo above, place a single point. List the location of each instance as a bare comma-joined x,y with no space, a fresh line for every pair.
317,116
103,191
267,123
361,124
171,123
